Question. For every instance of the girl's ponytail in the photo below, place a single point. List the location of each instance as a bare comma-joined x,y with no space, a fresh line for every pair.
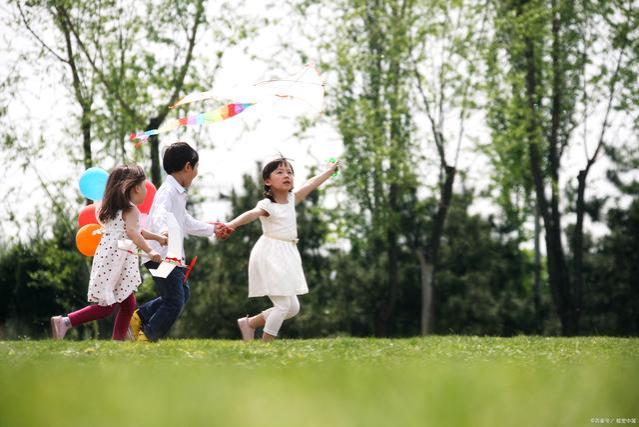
268,193
117,195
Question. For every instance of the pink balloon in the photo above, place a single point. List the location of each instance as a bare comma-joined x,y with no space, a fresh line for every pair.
87,215
145,206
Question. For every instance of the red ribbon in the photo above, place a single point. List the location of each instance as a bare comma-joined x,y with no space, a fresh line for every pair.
188,270
177,260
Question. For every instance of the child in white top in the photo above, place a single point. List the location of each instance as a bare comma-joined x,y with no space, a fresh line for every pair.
115,274
154,319
275,265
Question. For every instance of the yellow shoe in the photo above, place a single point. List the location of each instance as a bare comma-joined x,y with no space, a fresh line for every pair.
135,325
142,337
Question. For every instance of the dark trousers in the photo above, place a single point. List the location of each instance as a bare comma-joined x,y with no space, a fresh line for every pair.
160,314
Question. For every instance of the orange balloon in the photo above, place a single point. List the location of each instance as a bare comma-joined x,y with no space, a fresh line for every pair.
86,241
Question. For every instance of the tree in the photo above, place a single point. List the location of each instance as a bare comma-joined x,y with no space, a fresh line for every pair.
394,97
144,69
372,63
485,280
545,78
611,294
63,49
446,84
41,277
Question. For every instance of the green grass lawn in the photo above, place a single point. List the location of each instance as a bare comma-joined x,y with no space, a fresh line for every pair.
435,381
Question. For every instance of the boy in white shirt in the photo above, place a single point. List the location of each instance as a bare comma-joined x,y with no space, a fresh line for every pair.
154,319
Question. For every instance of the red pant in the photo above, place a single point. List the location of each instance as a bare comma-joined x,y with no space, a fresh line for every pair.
97,312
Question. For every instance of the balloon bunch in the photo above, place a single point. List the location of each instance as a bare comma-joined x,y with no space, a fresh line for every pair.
92,185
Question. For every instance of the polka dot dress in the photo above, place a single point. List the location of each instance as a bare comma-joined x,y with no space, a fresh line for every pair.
115,273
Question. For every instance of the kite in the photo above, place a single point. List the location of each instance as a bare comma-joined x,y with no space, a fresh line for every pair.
306,86
305,91
217,115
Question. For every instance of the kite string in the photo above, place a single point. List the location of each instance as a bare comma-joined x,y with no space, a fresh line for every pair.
296,78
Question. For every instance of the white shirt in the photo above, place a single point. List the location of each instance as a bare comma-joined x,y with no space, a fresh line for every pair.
171,197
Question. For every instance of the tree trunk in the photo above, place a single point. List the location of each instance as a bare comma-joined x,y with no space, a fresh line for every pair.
427,271
557,269
392,278
578,238
84,99
85,123
154,144
428,258
578,243
562,280
537,269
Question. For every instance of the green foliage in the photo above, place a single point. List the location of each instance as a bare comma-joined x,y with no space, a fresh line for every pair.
156,55
371,45
360,258
127,62
612,294
551,65
38,279
485,280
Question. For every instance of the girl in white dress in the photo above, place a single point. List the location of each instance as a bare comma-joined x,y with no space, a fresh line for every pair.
275,266
115,274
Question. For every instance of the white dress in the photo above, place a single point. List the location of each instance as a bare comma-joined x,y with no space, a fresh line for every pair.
115,273
275,265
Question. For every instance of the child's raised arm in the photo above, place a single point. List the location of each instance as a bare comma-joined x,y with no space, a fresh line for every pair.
132,221
247,217
315,182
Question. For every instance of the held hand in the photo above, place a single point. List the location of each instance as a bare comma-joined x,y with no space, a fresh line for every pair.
164,240
223,231
155,257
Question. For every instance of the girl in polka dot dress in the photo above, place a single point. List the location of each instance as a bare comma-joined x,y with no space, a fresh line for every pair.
115,274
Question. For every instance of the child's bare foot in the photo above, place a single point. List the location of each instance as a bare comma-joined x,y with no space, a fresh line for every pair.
248,333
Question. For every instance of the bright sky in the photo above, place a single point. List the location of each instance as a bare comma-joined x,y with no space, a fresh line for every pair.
42,108
258,134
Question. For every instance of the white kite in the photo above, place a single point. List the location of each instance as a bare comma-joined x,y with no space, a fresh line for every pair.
299,95
306,87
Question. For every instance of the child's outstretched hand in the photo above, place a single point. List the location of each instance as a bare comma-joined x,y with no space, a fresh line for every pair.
155,257
334,165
